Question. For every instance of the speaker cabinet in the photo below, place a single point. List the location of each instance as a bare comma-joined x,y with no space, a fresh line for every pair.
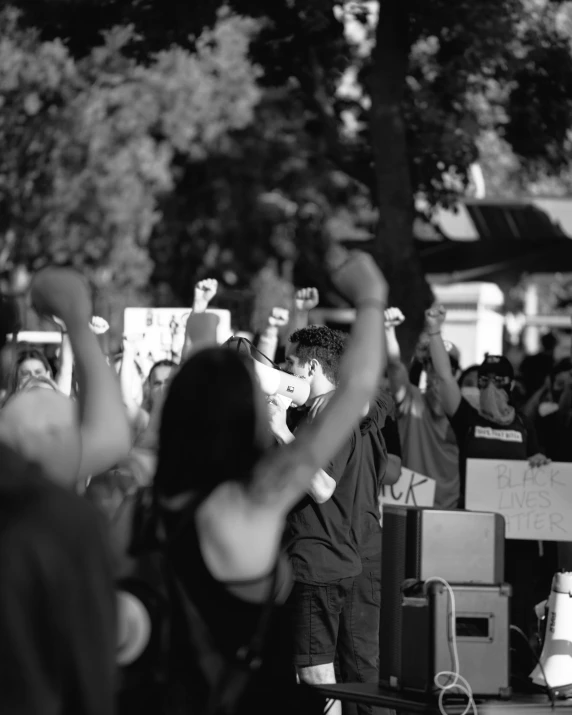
461,547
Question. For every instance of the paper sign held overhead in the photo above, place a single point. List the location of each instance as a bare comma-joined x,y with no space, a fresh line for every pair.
159,333
411,489
536,502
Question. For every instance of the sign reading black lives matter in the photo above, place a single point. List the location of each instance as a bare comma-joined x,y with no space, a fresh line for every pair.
536,502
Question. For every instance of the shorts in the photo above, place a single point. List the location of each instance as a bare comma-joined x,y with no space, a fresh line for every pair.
315,612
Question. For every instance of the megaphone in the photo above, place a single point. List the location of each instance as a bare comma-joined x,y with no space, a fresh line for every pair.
556,656
290,388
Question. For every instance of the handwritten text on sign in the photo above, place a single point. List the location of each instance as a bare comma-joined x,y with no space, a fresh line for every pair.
536,502
411,489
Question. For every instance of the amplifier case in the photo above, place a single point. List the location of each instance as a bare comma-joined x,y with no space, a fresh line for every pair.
482,634
417,543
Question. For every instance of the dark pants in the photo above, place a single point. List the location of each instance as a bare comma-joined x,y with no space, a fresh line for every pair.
358,643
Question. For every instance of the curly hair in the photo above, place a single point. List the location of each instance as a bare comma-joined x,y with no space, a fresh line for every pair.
318,342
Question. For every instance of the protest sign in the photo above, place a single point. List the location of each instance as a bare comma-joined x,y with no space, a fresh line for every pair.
411,489
536,502
159,333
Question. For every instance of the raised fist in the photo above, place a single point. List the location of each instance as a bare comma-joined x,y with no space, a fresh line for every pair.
62,293
434,318
357,277
279,318
306,299
393,318
98,326
205,291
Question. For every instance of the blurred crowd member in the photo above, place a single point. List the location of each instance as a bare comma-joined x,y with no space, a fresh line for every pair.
534,369
428,442
225,518
30,362
495,431
469,384
57,600
553,414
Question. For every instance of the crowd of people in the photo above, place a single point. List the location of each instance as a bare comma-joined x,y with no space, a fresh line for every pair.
184,542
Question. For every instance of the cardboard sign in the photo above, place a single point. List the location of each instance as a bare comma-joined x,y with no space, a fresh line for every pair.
535,502
411,489
159,333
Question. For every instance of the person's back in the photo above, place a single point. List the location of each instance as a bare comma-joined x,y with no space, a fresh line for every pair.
57,601
429,446
233,612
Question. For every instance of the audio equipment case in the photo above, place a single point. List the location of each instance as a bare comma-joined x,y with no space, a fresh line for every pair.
482,630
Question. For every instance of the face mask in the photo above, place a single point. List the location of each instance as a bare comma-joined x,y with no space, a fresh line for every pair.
472,395
494,405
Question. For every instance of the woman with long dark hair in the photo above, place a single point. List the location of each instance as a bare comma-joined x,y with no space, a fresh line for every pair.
223,491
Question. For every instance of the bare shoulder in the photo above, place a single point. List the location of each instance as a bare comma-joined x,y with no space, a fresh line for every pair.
239,539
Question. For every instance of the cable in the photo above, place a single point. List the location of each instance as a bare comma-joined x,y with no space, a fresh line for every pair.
458,682
549,690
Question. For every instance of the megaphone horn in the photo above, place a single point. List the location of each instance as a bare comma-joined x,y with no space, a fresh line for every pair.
556,656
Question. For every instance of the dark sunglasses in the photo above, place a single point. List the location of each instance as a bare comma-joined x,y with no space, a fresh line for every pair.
497,380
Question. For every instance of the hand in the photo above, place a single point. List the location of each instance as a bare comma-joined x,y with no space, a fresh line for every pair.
279,318
276,416
538,460
434,318
98,326
393,318
62,293
357,277
306,299
205,291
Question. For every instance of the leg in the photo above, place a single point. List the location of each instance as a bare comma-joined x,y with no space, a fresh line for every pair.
315,611
321,675
358,642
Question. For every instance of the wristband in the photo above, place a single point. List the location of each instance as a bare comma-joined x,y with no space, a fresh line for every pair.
371,303
438,332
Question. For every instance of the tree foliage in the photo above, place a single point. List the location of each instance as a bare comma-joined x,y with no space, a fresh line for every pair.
91,145
364,107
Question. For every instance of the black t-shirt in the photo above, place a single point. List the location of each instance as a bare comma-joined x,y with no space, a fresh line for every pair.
555,436
57,598
390,433
479,438
373,466
322,539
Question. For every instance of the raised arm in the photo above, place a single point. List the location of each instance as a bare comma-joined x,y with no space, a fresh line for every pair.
284,476
205,291
104,427
396,370
268,342
450,390
305,300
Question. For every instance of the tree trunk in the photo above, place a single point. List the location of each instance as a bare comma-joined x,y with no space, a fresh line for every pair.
394,245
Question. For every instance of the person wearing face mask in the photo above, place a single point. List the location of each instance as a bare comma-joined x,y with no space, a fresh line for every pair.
428,443
494,430
468,382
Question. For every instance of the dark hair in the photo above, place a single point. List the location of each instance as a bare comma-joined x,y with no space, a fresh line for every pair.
548,341
158,364
318,342
209,425
466,373
23,355
564,365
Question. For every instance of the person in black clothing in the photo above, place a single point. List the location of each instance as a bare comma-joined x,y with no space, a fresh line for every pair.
495,431
225,511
